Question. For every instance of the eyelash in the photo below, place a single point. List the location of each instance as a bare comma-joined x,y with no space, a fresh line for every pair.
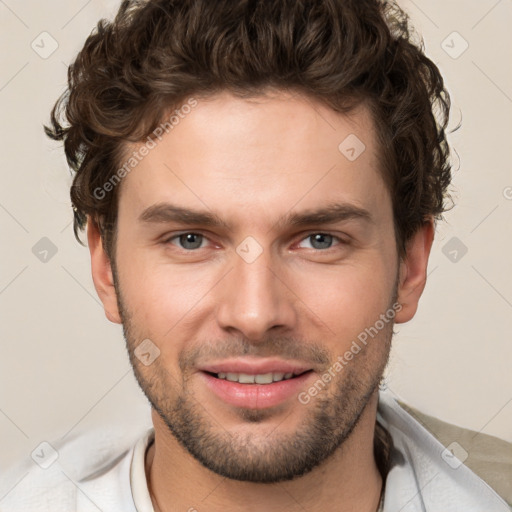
340,240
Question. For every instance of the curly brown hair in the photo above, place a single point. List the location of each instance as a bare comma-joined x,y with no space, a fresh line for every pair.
343,53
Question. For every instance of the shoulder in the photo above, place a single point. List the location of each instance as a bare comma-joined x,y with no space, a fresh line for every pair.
434,463
28,487
487,456
86,472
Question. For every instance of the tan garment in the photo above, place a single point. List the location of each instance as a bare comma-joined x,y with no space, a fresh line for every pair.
488,457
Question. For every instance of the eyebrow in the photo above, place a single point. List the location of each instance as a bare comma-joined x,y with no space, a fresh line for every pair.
330,214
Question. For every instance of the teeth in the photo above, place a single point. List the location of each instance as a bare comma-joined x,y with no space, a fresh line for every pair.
245,379
265,378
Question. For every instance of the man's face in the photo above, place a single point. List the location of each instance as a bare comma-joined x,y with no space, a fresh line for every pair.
256,288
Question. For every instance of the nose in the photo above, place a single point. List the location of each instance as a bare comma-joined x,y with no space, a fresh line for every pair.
255,298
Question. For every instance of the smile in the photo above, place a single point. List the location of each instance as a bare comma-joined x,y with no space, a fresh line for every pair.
256,391
262,378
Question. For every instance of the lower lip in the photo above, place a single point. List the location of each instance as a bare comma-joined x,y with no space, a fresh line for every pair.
256,396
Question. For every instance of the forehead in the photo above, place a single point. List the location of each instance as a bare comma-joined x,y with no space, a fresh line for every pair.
260,155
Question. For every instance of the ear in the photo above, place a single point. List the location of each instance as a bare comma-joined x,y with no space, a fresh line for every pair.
413,271
102,272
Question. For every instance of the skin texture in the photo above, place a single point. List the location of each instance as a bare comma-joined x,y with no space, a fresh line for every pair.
252,163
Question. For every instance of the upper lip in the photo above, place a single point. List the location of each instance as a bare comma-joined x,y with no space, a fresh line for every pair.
256,367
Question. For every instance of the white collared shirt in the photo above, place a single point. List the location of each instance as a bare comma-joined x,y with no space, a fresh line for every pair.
103,470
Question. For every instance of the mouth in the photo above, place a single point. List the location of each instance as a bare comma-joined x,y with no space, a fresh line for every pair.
256,390
260,378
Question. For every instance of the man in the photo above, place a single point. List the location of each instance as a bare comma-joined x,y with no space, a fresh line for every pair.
294,146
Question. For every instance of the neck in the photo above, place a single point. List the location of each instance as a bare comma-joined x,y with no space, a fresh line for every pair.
348,481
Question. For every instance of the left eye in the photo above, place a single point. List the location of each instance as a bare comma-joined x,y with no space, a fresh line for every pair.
321,240
189,241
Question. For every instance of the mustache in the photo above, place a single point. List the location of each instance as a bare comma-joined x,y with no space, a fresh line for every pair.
283,347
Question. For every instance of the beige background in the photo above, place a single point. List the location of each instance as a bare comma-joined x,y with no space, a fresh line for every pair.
63,366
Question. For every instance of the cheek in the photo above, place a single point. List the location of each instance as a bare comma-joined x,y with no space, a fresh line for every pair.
160,295
349,298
